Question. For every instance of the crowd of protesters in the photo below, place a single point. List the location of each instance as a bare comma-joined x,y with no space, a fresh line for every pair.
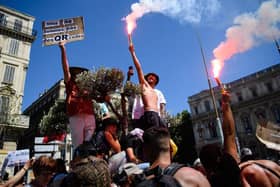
145,154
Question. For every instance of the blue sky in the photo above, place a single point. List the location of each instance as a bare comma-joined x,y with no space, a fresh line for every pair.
164,44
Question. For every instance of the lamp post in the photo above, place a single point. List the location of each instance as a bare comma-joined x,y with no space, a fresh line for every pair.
218,120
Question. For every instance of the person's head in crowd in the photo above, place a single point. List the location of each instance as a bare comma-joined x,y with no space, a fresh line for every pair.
152,79
74,71
60,166
246,154
156,141
198,166
86,169
110,124
71,180
221,168
209,157
84,150
60,173
43,168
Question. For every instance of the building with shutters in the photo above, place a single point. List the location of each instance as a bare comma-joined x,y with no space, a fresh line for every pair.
16,38
254,99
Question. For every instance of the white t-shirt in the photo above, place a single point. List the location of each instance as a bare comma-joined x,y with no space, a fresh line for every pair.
138,106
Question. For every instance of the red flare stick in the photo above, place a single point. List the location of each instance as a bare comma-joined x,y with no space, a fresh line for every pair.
130,39
220,84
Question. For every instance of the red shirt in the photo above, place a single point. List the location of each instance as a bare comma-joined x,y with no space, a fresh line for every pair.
75,103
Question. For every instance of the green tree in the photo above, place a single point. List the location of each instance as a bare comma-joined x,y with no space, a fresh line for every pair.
182,134
55,122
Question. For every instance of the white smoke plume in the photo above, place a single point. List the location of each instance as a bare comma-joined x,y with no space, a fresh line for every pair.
250,30
185,10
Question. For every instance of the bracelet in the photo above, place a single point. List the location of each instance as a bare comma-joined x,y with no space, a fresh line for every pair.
24,169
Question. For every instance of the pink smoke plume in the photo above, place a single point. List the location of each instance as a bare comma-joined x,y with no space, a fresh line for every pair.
183,10
250,30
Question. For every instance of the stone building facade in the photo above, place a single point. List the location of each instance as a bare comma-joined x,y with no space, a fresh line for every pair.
37,110
254,99
16,38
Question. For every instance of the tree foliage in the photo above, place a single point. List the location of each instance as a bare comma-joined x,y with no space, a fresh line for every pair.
100,83
182,134
55,121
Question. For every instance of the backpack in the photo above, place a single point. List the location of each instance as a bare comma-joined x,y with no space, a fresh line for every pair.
163,177
99,143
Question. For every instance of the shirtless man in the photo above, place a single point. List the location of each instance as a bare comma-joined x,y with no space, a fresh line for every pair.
149,96
156,149
256,173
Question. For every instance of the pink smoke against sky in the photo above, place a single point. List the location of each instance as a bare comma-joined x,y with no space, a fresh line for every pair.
250,30
183,10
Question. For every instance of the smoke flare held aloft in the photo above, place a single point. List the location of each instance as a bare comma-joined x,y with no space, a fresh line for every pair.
250,30
185,10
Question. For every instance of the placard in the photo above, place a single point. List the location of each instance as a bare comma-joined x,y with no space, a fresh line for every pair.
18,157
68,29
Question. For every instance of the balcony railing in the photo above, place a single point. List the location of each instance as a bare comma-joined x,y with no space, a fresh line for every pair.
18,29
14,120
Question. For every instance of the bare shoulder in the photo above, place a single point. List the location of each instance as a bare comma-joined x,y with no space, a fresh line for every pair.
267,163
256,175
187,176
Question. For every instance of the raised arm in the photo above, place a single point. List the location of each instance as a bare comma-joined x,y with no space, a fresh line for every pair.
64,62
137,65
113,142
12,181
229,127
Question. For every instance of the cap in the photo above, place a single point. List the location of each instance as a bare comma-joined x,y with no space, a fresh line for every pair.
153,74
76,70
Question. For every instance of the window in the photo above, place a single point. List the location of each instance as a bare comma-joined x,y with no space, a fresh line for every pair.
269,86
207,106
246,123
261,117
14,45
9,74
200,131
18,25
254,92
4,104
276,113
239,96
196,110
212,129
3,19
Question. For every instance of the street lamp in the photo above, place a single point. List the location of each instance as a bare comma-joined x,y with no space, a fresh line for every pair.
211,92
